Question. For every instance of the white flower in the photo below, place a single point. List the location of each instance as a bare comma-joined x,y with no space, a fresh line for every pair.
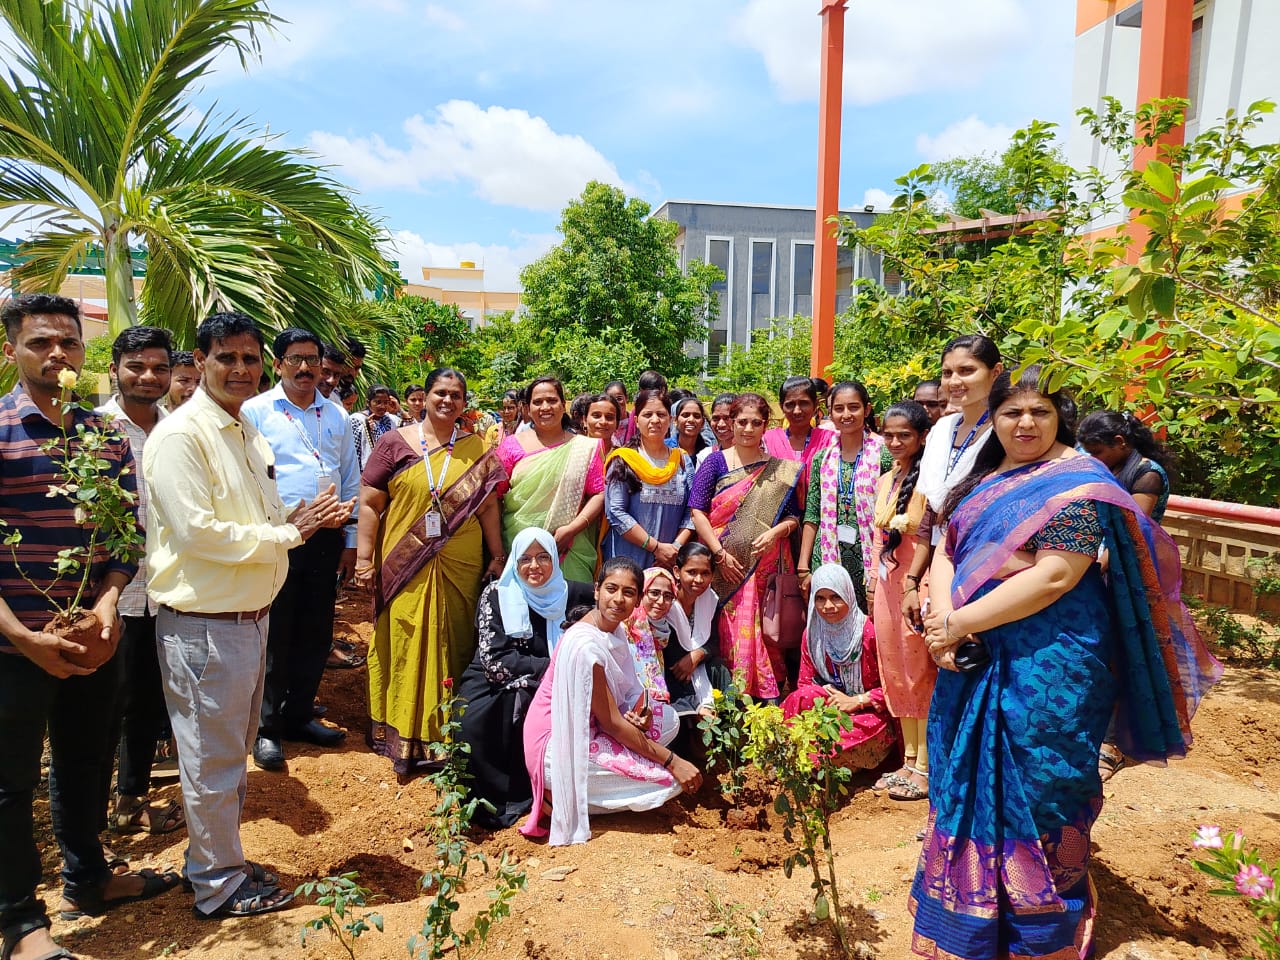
67,378
899,522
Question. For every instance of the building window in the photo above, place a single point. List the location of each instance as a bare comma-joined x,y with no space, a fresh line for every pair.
845,261
763,308
801,279
720,254
1195,75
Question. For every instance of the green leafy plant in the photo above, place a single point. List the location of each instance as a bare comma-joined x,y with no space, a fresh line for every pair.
339,896
740,929
454,853
801,756
1241,873
724,735
104,509
1259,643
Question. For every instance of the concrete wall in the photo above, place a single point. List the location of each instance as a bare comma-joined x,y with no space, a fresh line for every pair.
1237,65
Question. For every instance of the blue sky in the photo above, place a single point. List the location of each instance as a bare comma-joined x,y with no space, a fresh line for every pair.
467,127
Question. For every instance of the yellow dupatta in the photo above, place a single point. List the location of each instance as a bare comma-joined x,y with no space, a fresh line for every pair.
646,471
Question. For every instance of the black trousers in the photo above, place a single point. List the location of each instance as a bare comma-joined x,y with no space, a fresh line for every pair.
77,713
300,633
141,704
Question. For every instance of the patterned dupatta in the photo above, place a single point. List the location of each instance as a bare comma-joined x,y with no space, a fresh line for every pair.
743,509
567,500
1161,661
459,501
866,474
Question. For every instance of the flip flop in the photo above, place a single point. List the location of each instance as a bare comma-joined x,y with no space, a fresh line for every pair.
341,660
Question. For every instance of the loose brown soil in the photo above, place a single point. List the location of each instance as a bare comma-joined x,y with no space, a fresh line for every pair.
86,630
684,882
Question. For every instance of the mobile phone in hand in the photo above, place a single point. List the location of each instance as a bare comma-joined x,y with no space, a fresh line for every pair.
642,704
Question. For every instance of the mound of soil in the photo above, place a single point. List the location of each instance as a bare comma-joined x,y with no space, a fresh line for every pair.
700,878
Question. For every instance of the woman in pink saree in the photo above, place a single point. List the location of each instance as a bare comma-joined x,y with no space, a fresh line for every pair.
799,440
744,509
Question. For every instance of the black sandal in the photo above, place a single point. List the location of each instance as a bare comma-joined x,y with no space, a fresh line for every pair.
252,869
250,899
90,901
11,940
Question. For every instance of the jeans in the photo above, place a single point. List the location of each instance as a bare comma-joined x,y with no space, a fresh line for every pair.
212,673
141,700
76,712
301,633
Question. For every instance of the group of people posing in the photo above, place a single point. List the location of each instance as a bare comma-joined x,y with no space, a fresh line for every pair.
985,600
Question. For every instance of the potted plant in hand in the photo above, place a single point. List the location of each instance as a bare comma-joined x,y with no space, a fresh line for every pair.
108,521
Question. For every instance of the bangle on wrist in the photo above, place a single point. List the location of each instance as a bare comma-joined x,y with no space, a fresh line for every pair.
946,627
805,570
718,555
912,589
914,579
671,756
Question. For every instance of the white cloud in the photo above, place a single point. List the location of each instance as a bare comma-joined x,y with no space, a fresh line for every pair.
891,49
964,138
508,156
501,263
444,18
875,197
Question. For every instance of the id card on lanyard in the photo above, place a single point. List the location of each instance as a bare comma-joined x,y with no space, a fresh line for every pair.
435,515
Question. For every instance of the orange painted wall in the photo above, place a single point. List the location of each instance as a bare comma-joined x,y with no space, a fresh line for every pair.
1090,13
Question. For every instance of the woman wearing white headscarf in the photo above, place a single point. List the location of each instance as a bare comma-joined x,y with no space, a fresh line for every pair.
518,621
838,666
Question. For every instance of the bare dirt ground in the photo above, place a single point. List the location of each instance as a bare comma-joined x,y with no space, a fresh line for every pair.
677,884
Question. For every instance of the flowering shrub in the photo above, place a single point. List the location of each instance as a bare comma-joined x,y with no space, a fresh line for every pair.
724,733
103,508
1240,872
801,755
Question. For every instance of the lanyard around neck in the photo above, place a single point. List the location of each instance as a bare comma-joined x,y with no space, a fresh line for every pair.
298,425
958,452
426,461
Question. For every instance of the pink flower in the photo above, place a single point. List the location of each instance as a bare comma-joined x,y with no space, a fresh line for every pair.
1208,837
1252,882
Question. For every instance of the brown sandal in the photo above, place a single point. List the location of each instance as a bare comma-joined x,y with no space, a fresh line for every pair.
138,816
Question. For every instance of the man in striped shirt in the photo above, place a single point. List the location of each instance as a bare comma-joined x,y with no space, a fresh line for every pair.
39,686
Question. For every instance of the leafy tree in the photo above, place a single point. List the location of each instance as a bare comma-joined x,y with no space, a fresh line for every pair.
616,274
779,351
1188,335
1025,175
91,161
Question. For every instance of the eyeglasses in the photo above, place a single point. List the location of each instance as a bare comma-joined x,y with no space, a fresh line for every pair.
541,559
658,596
297,360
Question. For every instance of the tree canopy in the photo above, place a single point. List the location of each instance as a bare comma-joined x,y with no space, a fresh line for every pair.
610,299
95,160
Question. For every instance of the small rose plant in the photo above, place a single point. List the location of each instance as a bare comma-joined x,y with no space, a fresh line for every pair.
104,509
1240,872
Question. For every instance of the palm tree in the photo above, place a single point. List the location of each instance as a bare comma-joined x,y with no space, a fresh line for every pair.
93,163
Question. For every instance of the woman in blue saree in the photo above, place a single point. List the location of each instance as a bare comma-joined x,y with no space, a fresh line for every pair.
1013,742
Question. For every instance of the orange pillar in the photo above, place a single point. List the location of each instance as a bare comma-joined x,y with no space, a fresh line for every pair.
829,101
1164,70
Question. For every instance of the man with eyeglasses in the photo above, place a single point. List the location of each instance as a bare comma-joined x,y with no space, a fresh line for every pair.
313,447
929,395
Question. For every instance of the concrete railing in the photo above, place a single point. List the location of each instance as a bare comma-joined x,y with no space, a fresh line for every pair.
1221,545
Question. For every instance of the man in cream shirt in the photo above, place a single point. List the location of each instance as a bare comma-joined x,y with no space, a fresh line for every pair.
218,541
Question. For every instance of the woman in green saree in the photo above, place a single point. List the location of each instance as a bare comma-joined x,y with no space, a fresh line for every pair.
557,481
